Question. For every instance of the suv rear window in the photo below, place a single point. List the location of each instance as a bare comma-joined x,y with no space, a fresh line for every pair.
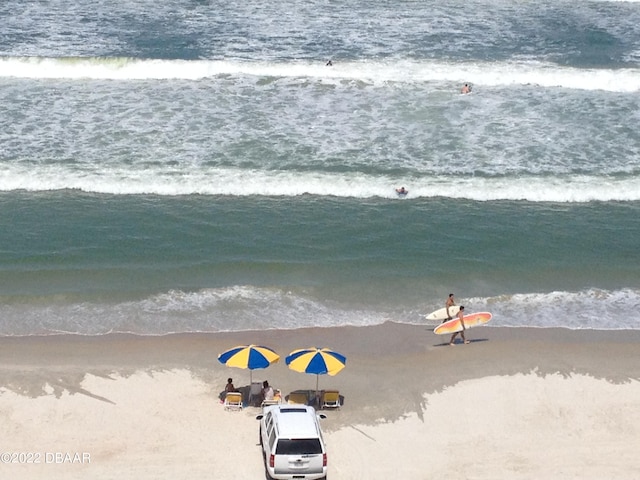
298,446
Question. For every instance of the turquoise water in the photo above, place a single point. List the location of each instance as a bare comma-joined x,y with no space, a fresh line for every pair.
197,167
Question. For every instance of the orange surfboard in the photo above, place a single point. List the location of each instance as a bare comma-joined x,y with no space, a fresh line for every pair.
470,321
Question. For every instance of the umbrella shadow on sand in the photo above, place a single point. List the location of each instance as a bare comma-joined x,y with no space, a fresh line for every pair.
308,397
314,361
251,357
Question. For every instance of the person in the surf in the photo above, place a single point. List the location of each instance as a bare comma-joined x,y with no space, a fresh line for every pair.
402,191
466,88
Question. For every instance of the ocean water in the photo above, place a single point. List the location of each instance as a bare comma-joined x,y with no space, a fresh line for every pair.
184,166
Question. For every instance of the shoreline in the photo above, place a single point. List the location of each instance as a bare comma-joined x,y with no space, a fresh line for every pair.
148,407
27,363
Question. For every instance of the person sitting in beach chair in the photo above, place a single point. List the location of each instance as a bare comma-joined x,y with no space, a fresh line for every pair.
267,392
277,399
229,387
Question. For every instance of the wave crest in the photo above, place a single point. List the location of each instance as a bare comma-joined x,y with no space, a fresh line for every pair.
400,71
242,182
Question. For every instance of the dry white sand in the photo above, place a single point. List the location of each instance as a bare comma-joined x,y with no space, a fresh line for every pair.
524,404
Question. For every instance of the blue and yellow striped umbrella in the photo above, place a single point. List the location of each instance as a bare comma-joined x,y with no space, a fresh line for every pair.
318,361
249,356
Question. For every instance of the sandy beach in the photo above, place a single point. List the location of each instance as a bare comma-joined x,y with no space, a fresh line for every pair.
514,403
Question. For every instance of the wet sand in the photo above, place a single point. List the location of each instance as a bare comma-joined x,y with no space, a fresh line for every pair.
514,403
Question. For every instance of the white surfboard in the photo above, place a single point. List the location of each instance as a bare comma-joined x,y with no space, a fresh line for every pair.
441,314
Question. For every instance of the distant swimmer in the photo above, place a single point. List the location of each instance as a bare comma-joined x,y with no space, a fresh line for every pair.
402,191
466,88
329,63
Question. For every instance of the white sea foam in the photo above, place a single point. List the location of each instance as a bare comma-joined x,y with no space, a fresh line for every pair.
242,182
495,74
587,309
252,308
235,308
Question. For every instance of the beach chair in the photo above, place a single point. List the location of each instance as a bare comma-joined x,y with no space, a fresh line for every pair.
330,399
298,398
233,401
277,399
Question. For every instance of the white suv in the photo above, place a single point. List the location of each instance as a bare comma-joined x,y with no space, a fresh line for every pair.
292,443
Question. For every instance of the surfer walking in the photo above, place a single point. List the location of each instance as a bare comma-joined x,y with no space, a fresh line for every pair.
451,301
461,318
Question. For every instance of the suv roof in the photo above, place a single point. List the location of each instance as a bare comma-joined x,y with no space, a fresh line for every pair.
295,422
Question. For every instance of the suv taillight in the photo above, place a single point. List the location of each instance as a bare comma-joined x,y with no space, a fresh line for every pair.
272,461
324,459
